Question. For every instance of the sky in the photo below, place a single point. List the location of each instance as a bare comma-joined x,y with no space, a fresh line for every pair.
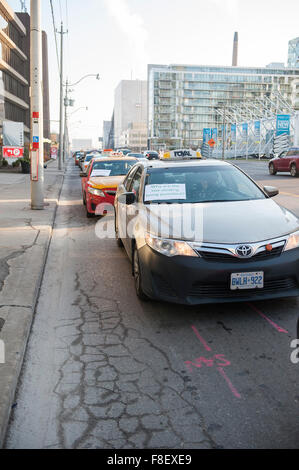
118,38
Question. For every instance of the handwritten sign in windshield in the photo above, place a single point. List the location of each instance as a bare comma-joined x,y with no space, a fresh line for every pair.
165,192
101,173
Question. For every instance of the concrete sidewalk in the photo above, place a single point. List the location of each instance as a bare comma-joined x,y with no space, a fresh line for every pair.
24,241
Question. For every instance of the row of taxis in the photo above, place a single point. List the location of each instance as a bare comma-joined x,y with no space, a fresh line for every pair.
200,231
100,179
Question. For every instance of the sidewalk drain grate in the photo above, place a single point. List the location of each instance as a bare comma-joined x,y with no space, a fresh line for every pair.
2,321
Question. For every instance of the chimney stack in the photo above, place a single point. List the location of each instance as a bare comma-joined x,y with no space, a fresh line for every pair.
235,50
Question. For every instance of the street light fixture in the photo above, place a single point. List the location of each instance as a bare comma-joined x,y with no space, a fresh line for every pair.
78,109
68,102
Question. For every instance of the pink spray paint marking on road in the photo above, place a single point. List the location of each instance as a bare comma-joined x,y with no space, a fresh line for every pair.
277,327
203,342
210,362
232,388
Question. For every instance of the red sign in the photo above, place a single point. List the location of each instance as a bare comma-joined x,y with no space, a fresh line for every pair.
54,152
13,152
212,142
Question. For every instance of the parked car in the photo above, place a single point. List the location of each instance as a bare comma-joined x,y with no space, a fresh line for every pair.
100,181
151,155
287,162
77,156
88,158
124,151
237,244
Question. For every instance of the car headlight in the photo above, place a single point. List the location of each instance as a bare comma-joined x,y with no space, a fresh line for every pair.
96,192
169,247
293,241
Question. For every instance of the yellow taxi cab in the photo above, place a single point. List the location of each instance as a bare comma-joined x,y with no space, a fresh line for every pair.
100,182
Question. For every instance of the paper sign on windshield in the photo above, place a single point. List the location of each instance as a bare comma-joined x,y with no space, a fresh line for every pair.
161,192
100,172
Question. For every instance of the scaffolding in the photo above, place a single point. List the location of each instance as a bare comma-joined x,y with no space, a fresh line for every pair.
248,129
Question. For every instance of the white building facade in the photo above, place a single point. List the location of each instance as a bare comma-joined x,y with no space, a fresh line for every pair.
130,106
184,99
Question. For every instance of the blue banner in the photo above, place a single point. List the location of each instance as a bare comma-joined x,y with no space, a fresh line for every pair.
245,131
215,134
257,131
283,123
206,135
233,133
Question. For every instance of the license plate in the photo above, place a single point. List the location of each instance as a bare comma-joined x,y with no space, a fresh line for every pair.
247,281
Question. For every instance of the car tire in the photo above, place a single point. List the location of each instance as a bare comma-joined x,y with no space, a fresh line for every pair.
89,215
137,276
293,170
272,170
118,240
84,199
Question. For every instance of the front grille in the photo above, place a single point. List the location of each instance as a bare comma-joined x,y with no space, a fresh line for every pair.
223,257
224,291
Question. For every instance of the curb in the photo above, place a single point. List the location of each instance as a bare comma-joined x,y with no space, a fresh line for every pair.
18,327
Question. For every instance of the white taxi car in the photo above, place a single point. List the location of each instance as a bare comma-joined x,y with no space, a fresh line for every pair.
202,231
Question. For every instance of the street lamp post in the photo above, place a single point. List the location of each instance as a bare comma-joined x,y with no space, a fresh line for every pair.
68,102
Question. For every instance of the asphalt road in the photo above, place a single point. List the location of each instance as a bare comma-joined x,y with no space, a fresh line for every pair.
104,370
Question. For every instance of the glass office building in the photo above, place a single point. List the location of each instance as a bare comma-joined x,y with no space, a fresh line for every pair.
183,99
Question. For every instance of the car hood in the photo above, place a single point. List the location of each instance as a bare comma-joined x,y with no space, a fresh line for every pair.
225,222
101,182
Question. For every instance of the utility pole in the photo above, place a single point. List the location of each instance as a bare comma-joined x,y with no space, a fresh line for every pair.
36,101
60,153
224,132
65,119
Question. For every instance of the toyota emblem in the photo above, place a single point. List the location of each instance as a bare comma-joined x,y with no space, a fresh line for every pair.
244,251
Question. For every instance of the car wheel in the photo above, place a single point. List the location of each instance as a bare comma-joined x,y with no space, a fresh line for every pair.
293,171
89,215
137,276
84,199
272,170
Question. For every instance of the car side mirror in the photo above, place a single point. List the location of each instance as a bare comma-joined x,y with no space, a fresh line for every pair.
83,174
127,198
271,191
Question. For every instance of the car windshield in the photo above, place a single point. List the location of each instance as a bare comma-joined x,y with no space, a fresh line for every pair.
113,168
88,158
199,184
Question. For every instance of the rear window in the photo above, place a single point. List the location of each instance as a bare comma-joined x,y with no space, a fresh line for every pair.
293,153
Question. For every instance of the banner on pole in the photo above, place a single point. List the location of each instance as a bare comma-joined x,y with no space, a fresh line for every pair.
283,122
257,131
206,135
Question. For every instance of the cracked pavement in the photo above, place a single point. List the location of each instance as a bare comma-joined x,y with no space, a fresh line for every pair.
104,370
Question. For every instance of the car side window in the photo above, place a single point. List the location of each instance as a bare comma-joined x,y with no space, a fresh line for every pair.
135,184
128,179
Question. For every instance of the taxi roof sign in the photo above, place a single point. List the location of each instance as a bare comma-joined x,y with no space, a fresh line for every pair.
180,154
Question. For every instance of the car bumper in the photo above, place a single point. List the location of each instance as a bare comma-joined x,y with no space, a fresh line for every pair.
100,205
193,281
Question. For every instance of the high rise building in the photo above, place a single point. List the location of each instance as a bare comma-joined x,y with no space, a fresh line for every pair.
293,56
130,106
183,99
14,59
106,132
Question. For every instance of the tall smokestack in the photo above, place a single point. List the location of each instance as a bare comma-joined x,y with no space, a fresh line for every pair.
235,50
